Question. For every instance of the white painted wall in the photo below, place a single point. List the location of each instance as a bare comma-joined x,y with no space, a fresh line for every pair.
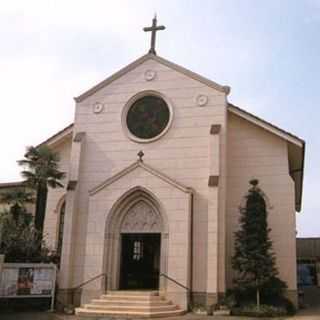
255,153
55,196
182,154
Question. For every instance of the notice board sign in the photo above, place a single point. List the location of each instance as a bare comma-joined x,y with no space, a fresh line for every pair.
28,280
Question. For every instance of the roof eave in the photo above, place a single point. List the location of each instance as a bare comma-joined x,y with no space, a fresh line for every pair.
266,125
58,137
299,203
137,62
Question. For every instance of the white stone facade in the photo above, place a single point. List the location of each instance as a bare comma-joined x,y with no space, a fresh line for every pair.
194,176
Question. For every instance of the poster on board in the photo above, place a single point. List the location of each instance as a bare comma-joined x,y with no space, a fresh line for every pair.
27,281
8,283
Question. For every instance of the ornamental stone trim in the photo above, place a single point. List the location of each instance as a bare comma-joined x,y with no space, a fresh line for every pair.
150,75
141,218
97,107
215,129
79,136
202,100
213,181
147,168
72,185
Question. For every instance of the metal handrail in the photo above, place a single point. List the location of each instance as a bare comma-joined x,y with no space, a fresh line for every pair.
189,292
74,289
90,280
175,281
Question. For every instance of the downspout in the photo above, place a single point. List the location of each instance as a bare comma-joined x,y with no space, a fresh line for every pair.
191,252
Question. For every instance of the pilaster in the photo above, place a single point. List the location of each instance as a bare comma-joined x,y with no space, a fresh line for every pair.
66,273
213,213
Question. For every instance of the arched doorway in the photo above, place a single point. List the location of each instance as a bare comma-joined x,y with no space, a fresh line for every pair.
140,247
136,242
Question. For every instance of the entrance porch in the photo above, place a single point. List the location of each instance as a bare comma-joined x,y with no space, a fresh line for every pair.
133,304
146,234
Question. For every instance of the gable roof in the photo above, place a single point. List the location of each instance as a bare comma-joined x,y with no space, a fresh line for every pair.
296,149
266,125
59,136
142,165
134,64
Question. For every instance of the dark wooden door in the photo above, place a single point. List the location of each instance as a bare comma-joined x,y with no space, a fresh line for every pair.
140,261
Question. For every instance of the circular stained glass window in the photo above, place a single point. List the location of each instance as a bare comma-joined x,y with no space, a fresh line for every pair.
148,117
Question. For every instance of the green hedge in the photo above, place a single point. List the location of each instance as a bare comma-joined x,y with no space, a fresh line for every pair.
264,311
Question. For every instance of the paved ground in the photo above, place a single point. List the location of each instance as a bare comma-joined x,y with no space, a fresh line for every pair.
309,314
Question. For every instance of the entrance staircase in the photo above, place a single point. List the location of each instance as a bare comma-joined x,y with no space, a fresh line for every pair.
130,304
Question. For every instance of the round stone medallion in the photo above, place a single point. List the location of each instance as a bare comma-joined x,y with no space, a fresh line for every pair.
149,75
202,100
98,107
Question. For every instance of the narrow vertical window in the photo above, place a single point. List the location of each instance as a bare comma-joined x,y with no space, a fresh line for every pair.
137,250
60,231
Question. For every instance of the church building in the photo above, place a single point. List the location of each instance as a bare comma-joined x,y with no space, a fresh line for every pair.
157,164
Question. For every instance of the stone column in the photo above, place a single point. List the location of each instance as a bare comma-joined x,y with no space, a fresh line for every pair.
66,268
213,216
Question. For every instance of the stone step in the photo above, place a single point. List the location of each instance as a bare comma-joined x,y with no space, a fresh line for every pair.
130,309
82,312
133,292
131,302
131,297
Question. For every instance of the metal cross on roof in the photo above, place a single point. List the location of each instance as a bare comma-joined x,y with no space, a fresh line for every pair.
154,28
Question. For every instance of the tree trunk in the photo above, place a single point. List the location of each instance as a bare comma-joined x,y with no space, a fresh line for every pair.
41,202
15,210
258,298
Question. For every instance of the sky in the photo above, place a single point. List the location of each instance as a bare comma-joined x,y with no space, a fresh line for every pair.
267,51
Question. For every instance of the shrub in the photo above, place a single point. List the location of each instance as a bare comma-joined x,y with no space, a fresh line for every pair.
264,311
20,241
270,292
198,307
238,299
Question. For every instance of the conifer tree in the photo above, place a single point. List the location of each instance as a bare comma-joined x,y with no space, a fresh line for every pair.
254,259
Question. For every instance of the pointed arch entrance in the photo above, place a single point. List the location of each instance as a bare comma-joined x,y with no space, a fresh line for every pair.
136,242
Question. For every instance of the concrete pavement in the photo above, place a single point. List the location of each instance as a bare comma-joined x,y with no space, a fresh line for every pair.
308,314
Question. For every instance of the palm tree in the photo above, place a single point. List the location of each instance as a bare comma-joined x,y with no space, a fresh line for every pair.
17,198
42,171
